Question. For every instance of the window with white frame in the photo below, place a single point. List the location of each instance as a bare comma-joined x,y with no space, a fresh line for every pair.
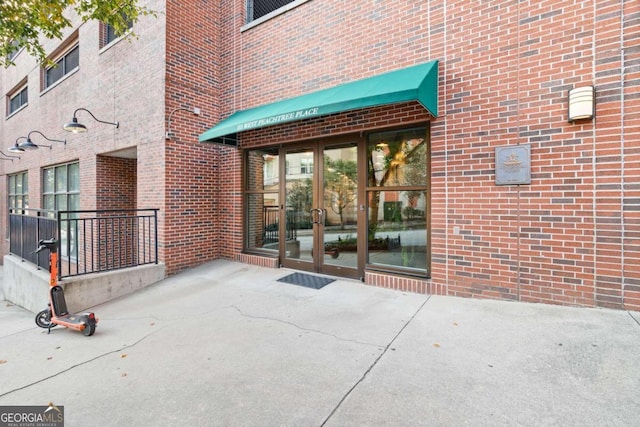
64,65
16,50
17,99
306,166
108,33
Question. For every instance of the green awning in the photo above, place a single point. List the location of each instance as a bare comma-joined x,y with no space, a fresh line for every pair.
415,83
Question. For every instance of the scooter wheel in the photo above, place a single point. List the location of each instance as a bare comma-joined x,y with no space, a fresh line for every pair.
43,319
89,330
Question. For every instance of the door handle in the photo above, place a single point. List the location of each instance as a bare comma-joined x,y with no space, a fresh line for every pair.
317,216
314,215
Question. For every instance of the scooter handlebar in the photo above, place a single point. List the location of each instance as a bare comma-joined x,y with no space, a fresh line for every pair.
45,244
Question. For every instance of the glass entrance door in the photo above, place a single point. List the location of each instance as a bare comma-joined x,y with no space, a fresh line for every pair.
321,210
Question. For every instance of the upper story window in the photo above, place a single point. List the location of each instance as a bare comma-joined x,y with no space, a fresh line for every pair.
306,166
17,99
65,64
16,50
258,8
108,34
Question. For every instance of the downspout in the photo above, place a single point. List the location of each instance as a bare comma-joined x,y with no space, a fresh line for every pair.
622,145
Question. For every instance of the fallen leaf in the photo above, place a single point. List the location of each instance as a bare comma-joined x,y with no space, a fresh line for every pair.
436,345
123,355
152,323
455,323
2,362
49,358
124,374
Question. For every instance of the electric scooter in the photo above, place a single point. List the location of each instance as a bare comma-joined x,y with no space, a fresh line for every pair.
56,313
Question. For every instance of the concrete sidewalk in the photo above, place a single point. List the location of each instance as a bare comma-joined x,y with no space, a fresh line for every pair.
226,344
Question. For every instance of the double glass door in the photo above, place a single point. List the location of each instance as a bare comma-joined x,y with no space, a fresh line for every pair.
321,210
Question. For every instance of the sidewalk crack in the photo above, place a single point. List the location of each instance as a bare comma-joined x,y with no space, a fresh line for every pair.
634,318
79,364
304,329
375,362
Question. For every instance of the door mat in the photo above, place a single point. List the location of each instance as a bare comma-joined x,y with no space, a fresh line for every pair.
306,280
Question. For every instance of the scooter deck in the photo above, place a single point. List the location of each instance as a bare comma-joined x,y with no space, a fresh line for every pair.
76,319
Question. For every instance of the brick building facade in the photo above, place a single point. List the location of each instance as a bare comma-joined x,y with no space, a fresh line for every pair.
571,236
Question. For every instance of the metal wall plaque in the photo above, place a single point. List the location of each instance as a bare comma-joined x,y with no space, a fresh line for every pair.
513,164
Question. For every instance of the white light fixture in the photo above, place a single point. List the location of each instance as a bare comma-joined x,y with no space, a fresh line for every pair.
169,134
581,103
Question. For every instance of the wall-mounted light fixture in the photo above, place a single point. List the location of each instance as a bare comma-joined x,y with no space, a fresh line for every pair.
8,157
76,127
169,134
15,148
581,103
29,145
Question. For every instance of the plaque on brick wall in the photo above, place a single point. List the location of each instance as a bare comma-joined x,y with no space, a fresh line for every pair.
513,164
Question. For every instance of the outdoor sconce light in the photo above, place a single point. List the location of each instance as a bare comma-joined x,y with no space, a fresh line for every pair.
581,103
16,148
169,134
76,127
29,145
8,157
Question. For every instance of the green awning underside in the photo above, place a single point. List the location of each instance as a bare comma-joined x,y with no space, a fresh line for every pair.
417,83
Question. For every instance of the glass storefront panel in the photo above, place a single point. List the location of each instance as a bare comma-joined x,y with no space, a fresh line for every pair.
262,199
340,193
263,170
397,226
262,221
321,209
299,204
397,158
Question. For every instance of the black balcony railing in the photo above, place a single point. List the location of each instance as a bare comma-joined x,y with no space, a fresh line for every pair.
90,241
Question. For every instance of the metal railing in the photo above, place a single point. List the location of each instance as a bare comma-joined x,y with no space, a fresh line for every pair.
90,241
271,233
26,228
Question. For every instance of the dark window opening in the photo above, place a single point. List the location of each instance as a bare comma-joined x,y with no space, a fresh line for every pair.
109,33
258,8
15,51
64,66
17,100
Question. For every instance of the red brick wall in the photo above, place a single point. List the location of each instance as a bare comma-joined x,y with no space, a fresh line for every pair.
122,82
115,183
571,237
191,228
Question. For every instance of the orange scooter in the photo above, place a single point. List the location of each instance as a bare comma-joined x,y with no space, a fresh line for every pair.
56,313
